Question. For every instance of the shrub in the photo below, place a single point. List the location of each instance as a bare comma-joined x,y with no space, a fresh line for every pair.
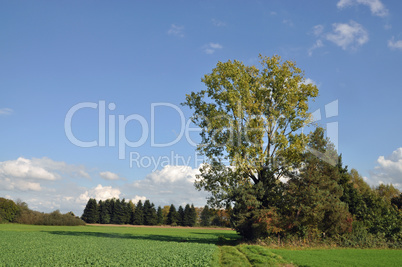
8,210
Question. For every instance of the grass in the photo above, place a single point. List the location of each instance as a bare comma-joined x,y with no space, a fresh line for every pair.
342,257
231,256
249,255
261,256
29,245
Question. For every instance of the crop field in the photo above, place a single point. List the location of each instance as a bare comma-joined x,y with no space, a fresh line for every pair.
28,245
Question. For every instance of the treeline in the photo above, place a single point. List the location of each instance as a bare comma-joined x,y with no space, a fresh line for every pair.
116,211
321,202
11,212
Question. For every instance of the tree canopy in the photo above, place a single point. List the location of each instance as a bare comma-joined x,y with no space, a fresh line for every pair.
281,181
250,119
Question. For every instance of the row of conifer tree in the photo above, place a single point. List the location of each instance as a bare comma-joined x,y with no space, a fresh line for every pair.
116,211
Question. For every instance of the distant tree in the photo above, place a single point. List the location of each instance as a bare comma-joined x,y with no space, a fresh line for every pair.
180,216
190,216
387,191
358,182
159,216
206,216
187,215
172,216
149,213
138,217
104,213
165,211
118,212
8,210
91,214
131,209
372,208
381,216
397,201
126,212
220,217
193,215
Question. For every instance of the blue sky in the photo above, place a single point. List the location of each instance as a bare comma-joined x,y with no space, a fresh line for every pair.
132,62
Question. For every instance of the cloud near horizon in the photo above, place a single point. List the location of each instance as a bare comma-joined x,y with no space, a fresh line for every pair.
46,185
388,170
109,176
171,185
99,193
43,183
22,168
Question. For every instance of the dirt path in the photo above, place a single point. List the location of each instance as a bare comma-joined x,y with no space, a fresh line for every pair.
159,226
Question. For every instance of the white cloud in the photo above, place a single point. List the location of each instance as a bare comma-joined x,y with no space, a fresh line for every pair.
350,35
317,45
25,168
318,30
99,193
211,48
395,44
109,175
61,167
18,185
44,185
388,170
218,23
176,30
28,174
138,198
308,81
377,8
172,184
5,111
172,174
288,22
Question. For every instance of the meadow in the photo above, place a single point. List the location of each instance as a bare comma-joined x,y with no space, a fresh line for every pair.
29,245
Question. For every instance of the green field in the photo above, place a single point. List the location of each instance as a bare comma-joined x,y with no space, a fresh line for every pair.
107,246
342,257
28,245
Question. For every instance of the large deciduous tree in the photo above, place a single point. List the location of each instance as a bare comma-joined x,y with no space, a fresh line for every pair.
251,121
